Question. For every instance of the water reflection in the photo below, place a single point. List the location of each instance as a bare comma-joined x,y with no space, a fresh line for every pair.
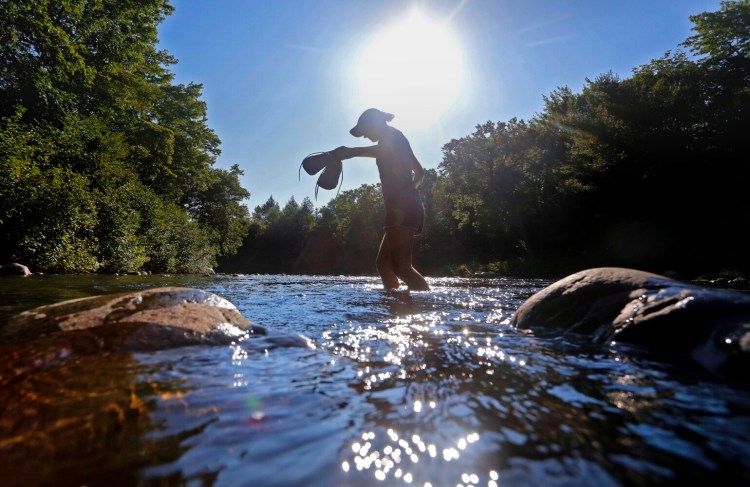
427,389
75,415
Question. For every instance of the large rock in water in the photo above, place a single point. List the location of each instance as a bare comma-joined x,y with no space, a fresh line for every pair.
152,319
75,403
625,305
14,269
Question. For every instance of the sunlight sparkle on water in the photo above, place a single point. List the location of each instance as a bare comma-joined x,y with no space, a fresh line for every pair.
392,456
399,354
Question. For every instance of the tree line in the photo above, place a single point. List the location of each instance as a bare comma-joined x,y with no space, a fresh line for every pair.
105,162
649,171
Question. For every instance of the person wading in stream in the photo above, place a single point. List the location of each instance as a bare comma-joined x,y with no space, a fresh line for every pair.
400,176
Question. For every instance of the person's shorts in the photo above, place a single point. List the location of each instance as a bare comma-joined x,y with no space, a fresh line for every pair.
411,215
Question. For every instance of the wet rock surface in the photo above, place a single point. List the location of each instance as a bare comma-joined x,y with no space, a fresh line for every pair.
14,269
710,325
74,386
141,321
145,320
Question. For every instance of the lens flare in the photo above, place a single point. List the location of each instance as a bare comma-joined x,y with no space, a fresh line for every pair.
413,68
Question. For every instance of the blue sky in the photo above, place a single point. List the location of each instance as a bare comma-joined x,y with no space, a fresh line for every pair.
285,78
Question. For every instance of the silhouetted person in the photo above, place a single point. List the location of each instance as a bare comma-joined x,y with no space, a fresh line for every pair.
400,176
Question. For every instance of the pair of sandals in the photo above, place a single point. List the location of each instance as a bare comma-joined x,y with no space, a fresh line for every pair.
332,167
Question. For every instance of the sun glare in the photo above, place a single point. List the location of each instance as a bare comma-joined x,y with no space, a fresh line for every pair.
414,69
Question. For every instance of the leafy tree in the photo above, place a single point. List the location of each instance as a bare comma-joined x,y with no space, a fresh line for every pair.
77,55
354,222
259,252
47,213
187,175
106,163
723,37
219,208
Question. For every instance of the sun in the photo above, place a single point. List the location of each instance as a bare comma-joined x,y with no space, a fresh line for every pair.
414,69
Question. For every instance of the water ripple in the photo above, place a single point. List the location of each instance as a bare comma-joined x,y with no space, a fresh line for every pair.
429,389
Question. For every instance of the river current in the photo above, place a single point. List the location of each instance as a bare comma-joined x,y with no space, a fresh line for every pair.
426,389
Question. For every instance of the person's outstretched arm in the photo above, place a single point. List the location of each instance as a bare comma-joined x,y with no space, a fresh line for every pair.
344,152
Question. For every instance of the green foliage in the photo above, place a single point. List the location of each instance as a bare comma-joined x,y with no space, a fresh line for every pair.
104,162
47,212
57,57
277,238
354,220
122,247
648,171
219,207
723,36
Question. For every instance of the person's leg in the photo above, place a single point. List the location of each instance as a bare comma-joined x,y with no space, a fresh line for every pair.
400,242
384,264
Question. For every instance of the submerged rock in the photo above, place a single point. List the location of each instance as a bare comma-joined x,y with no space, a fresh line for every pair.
611,304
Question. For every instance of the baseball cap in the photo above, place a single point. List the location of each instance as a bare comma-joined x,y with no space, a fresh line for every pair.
367,118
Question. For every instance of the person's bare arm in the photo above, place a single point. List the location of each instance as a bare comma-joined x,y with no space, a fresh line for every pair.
416,167
418,173
349,152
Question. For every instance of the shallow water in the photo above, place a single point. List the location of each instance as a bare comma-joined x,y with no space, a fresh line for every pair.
431,388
